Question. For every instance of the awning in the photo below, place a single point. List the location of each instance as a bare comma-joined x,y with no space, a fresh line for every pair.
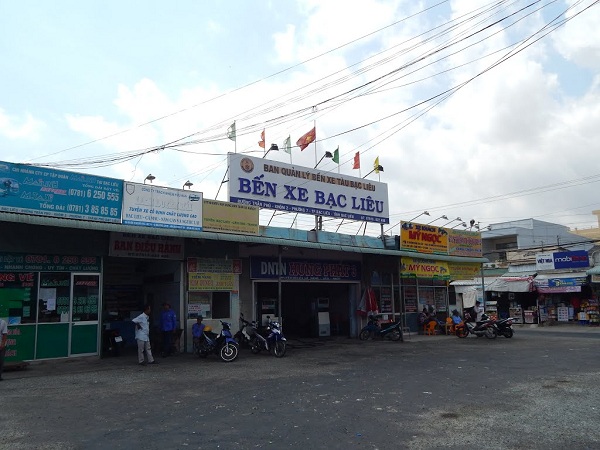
511,284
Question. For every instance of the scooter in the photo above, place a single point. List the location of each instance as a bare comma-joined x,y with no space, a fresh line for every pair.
372,330
484,328
242,336
504,327
272,340
222,344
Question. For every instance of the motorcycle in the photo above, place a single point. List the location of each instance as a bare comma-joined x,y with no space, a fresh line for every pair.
372,330
504,327
242,336
271,340
222,344
484,328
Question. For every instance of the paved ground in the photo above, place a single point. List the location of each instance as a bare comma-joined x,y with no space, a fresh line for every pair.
539,390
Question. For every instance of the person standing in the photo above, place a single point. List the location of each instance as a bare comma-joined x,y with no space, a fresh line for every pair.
168,326
197,330
142,336
3,339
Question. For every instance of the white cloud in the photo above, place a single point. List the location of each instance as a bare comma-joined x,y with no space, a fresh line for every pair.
26,127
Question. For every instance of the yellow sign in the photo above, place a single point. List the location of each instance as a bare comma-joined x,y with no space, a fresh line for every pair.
423,268
225,217
211,281
423,238
464,271
464,243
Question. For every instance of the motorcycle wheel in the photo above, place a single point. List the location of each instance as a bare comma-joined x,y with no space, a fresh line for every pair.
491,333
395,335
507,333
255,346
278,349
364,335
462,332
229,352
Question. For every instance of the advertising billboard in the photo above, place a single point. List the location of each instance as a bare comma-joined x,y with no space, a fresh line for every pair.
296,189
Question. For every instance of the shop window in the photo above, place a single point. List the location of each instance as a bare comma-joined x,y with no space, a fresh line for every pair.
54,297
221,305
86,289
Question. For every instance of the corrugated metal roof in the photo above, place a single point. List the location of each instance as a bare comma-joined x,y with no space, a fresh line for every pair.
115,227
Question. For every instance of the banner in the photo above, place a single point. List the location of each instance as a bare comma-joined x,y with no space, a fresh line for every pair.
284,187
211,281
225,217
40,191
464,243
214,265
160,207
39,262
464,271
423,268
133,245
423,238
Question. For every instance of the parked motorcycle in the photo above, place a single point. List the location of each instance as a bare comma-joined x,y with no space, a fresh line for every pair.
484,328
372,330
271,339
222,344
504,327
242,336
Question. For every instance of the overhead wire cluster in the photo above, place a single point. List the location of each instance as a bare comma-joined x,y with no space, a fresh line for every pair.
409,59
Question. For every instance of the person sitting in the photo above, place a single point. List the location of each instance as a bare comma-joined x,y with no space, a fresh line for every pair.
197,331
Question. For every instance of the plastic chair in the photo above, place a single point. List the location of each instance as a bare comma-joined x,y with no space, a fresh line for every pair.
430,328
449,326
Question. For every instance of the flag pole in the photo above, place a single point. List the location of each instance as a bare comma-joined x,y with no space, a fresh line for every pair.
315,128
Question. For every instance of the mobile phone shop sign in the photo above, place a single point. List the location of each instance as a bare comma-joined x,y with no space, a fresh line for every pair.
285,187
160,207
46,192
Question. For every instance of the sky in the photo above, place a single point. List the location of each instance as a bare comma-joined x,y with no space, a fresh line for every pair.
479,110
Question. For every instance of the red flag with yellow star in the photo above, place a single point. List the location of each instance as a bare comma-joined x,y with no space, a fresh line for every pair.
307,138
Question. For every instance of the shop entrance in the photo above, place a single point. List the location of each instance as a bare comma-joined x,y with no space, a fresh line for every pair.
309,309
129,285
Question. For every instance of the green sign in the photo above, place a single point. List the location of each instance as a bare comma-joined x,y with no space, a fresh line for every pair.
48,263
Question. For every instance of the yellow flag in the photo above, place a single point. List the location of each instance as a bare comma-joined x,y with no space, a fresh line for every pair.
376,165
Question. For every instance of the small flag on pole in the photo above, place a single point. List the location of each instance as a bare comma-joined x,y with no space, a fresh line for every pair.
376,165
336,155
287,145
356,161
231,132
307,138
261,143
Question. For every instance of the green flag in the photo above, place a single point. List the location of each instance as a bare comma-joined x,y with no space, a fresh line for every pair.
287,145
231,132
336,155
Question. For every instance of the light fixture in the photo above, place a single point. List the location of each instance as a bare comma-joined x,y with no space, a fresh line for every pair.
149,178
458,219
188,184
273,147
378,169
326,155
424,213
464,225
441,217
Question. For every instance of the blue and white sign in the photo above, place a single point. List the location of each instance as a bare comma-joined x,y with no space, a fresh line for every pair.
160,207
562,260
40,191
285,187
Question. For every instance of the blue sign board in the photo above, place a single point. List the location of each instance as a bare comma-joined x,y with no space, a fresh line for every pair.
560,282
40,191
571,260
303,269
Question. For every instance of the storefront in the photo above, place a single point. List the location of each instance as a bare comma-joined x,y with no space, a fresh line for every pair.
514,296
562,296
52,305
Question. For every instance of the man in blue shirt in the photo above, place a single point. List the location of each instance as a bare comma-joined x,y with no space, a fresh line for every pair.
168,326
197,330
